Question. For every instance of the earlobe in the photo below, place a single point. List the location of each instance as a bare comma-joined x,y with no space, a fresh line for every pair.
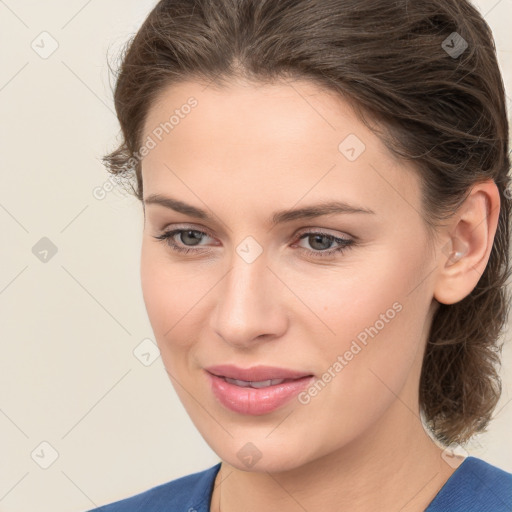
464,256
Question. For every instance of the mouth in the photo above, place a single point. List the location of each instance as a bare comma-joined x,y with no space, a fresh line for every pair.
257,384
256,376
258,390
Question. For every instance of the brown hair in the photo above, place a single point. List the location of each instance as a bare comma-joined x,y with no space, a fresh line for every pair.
395,62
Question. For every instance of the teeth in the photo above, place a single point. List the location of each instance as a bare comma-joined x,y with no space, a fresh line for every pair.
266,383
258,384
242,383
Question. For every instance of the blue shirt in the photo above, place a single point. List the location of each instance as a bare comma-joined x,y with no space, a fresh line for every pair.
475,486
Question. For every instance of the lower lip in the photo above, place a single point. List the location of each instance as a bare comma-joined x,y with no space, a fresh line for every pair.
255,401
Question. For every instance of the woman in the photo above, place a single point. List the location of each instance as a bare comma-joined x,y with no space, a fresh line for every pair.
325,247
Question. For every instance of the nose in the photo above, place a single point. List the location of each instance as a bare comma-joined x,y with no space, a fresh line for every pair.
249,307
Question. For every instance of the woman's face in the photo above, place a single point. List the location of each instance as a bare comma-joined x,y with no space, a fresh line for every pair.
252,292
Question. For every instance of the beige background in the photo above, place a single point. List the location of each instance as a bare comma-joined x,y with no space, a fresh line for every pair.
69,326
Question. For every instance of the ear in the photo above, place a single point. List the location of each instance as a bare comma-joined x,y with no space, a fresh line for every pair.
467,246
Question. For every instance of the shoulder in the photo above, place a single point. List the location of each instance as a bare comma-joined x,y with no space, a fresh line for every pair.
475,486
190,493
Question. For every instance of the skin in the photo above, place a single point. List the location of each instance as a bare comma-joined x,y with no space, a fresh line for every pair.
243,152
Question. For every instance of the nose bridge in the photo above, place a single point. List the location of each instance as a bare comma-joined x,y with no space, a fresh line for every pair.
246,286
247,305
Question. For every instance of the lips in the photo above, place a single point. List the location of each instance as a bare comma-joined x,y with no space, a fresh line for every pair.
256,374
256,397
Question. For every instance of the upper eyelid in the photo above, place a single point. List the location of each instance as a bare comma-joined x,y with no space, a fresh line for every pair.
179,228
301,231
323,231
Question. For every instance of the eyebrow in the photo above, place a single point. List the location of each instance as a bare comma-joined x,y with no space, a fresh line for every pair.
279,217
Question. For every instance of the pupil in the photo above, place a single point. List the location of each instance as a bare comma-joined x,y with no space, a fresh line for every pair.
315,238
194,238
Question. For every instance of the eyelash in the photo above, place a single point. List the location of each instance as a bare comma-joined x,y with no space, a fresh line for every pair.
345,243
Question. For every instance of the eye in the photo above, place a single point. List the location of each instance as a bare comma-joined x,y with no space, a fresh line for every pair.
319,241
186,235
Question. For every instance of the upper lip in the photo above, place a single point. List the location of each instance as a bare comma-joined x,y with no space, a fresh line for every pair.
255,373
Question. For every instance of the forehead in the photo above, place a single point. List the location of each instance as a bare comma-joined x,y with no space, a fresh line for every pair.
292,137
284,111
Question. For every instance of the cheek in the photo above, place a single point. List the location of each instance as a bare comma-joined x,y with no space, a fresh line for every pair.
378,319
379,295
175,296
165,292
153,285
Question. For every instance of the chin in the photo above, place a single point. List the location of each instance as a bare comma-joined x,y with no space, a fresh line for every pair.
276,463
262,456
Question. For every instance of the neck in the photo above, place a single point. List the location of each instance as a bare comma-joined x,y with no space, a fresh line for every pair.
385,469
